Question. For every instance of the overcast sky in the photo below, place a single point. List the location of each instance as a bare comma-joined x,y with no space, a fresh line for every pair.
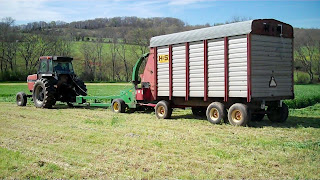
304,14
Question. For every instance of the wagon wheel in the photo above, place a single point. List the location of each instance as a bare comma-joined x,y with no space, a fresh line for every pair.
163,110
278,114
239,114
216,113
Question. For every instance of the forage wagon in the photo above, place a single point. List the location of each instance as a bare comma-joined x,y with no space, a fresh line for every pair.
236,72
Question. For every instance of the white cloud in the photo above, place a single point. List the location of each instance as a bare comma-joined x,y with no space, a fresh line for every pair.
72,10
27,10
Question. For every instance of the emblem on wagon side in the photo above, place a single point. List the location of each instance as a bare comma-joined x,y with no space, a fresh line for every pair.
163,58
272,82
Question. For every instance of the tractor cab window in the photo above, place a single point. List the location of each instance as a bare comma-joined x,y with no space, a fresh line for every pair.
62,67
43,66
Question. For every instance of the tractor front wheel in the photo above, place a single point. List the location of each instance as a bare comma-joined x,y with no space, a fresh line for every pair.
163,110
44,93
21,99
118,106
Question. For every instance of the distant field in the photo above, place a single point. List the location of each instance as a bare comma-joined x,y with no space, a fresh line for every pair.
64,143
305,95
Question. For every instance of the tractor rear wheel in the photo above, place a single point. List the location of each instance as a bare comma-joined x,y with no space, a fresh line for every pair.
21,99
81,88
239,114
216,113
163,110
44,93
118,106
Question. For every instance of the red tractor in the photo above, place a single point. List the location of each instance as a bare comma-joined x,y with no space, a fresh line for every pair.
54,81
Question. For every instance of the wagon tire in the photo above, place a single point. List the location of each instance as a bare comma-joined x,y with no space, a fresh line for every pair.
198,111
118,106
239,114
257,117
278,114
163,110
21,99
43,93
216,113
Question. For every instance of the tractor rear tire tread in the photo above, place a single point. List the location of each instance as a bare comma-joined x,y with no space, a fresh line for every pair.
81,88
49,96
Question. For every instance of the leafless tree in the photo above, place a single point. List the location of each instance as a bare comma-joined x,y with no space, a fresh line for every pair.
7,47
88,50
113,53
122,52
307,53
29,52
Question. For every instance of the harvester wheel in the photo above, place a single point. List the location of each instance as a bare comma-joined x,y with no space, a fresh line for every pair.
118,106
278,114
239,114
44,93
216,113
21,99
163,110
198,111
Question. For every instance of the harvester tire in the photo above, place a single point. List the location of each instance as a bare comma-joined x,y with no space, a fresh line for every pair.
21,99
278,114
81,88
43,93
239,114
118,106
199,111
163,110
216,113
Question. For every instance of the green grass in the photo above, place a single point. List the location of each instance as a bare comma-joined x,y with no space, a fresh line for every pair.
96,143
14,164
305,95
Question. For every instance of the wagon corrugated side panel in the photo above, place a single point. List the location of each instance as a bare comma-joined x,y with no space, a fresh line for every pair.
179,70
216,68
237,66
163,71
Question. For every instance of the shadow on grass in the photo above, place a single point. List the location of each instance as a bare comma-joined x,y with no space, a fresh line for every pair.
292,122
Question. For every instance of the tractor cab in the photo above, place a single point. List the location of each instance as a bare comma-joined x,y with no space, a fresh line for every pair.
55,65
